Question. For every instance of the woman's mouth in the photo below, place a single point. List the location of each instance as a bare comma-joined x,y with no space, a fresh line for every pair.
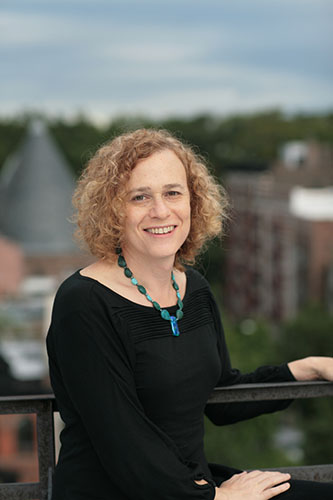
160,230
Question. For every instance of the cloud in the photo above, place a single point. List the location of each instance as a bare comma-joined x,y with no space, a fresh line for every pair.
105,56
22,29
147,53
246,90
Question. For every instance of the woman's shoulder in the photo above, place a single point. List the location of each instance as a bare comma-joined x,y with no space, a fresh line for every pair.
79,293
195,280
72,295
73,289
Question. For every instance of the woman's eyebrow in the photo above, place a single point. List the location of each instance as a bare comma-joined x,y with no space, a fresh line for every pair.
139,189
143,189
173,186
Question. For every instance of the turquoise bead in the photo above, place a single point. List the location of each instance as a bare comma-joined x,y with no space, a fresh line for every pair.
134,281
179,314
156,305
165,314
121,261
149,298
142,290
176,287
128,272
178,295
180,304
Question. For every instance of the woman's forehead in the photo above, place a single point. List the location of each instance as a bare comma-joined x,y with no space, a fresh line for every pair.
162,168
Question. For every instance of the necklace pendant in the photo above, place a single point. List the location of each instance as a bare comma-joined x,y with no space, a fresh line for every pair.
174,326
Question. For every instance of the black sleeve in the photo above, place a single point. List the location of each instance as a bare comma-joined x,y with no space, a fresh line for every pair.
227,413
95,366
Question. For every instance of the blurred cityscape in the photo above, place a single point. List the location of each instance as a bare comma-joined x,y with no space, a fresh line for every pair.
280,246
278,257
37,251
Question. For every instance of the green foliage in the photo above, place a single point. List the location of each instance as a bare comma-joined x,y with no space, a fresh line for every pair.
211,264
310,333
248,142
248,444
251,344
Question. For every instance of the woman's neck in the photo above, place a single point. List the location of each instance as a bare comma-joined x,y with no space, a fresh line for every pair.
154,275
155,278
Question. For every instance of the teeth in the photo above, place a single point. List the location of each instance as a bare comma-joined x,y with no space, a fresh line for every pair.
160,230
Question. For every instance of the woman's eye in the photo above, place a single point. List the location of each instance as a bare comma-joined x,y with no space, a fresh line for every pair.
173,193
139,197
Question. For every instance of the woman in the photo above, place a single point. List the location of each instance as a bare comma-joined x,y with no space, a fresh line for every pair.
136,344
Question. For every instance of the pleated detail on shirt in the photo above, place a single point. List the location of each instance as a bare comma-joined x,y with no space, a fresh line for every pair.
146,323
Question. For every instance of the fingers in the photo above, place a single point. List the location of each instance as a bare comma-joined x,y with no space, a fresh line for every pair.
272,492
271,483
272,477
200,481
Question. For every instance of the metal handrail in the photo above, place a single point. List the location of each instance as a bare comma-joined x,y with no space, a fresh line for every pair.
45,405
271,391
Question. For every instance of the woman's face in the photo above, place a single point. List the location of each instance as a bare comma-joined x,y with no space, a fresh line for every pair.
157,209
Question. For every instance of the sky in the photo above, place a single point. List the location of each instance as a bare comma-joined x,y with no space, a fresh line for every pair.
106,58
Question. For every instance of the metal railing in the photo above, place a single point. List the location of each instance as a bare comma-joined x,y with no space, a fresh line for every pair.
44,406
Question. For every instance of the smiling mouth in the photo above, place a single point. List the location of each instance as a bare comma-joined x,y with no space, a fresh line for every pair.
160,230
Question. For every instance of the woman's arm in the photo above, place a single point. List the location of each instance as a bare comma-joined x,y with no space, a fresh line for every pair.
312,368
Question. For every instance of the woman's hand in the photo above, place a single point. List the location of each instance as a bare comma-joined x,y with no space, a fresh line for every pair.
312,368
254,485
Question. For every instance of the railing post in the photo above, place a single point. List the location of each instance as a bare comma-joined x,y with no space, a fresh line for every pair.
46,448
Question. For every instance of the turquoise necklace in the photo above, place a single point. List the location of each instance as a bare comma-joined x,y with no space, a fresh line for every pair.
164,313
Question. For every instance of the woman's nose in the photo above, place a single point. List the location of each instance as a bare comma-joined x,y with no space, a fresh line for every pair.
159,208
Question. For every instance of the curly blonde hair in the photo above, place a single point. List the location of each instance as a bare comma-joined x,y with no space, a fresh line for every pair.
99,198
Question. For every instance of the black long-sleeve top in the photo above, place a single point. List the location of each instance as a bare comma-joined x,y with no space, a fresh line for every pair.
133,396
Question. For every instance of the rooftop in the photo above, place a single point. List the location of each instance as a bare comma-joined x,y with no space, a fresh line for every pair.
36,187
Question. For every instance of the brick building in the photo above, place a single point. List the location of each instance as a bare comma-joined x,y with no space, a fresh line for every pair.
280,244
11,267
